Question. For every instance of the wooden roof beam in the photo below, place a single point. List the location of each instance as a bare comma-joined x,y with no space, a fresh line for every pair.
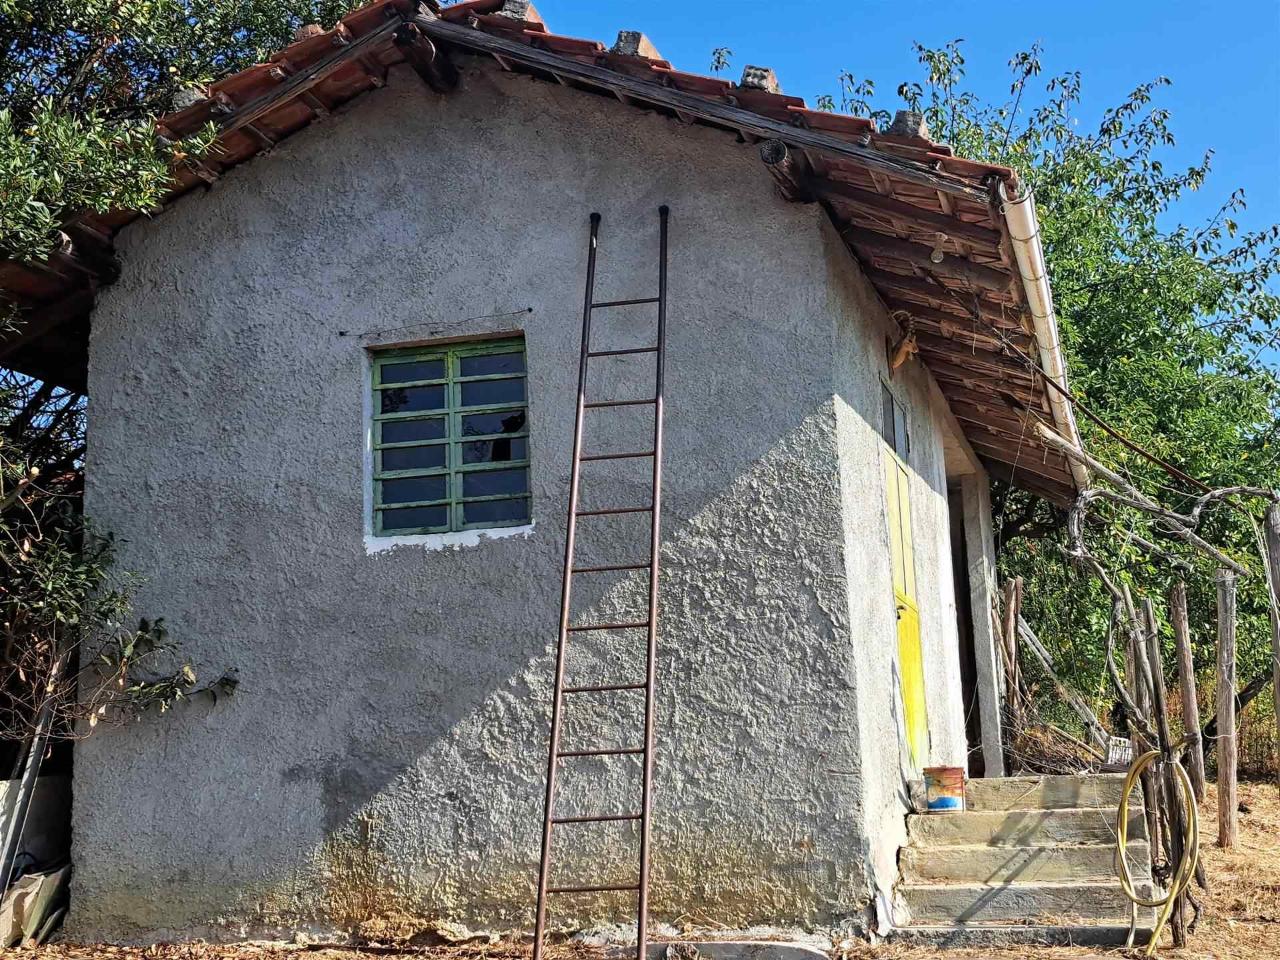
900,209
931,259
428,61
790,171
936,296
44,320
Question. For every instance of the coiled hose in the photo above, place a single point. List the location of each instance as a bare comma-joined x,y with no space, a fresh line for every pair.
1186,867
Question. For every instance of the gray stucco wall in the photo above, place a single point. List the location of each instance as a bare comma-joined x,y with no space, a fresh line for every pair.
383,758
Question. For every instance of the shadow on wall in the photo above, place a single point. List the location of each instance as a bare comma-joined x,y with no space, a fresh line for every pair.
756,702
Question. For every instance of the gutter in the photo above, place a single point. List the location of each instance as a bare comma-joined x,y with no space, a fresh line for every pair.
1024,231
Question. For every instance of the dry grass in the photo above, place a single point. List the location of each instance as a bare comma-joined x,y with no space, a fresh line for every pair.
1241,916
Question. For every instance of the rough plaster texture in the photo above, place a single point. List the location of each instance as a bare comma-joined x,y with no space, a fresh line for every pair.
384,755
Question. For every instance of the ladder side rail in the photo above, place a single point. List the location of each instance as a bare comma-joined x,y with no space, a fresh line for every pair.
655,542
565,595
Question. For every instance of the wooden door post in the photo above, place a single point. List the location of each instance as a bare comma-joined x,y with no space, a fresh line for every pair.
1187,686
1228,819
1271,536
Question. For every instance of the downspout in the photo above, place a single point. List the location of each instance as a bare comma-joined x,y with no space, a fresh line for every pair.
1024,231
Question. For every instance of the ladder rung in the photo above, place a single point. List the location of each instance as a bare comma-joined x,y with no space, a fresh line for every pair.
607,626
605,687
599,818
600,889
618,403
624,303
617,456
606,511
622,353
601,752
610,567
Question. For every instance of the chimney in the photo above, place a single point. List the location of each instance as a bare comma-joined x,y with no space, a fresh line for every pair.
760,78
908,124
633,43
520,10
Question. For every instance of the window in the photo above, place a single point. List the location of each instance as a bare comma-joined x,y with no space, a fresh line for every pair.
450,438
893,422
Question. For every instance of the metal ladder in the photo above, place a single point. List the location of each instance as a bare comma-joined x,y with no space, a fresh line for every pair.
551,818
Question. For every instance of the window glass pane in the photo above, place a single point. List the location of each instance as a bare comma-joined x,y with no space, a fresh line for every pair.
886,414
401,399
495,511
496,451
489,483
492,363
500,421
412,489
410,518
404,431
901,442
411,370
484,392
415,458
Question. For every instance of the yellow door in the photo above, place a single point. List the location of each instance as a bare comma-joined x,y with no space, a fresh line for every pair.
910,659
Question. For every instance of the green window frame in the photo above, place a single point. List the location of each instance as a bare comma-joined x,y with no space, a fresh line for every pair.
450,438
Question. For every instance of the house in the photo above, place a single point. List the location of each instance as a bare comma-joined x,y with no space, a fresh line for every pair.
282,438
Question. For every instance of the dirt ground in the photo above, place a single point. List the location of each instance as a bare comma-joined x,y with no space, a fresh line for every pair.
1241,917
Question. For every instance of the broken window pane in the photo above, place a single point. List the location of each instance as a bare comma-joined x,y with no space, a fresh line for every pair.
403,399
496,451
502,421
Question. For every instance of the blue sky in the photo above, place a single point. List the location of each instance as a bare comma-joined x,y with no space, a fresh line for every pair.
1223,59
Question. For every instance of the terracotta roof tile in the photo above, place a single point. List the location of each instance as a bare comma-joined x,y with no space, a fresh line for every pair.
569,46
694,82
971,168
839,124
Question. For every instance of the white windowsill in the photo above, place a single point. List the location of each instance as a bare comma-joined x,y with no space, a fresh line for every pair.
445,541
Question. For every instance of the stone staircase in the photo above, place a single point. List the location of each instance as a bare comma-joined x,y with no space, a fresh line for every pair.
1029,860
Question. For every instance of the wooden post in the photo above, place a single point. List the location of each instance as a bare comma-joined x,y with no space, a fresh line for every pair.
1271,536
1012,609
1228,820
1187,686
1168,786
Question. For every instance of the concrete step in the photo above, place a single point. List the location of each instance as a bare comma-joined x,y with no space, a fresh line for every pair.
983,863
1056,903
1021,828
987,935
1046,793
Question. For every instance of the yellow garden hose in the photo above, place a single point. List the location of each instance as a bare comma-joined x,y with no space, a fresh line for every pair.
1186,867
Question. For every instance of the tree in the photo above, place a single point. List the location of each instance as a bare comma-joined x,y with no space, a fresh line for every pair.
83,81
69,661
1165,327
